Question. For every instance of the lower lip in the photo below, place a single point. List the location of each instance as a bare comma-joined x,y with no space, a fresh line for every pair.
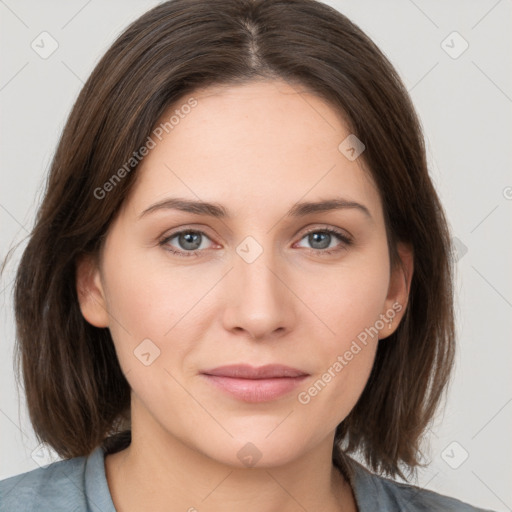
256,390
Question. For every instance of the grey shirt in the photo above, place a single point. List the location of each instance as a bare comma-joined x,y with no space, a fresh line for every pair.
80,485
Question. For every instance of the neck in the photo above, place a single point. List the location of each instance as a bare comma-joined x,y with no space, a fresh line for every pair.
158,471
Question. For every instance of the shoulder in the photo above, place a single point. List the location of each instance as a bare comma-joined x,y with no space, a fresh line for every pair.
374,492
65,485
413,498
45,487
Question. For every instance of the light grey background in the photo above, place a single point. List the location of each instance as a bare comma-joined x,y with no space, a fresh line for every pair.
465,104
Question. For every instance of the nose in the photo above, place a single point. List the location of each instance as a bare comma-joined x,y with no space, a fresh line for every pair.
258,299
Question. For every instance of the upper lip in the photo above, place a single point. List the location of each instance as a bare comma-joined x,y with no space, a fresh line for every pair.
245,371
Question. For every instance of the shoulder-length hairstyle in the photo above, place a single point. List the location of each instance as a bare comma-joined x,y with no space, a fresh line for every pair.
76,392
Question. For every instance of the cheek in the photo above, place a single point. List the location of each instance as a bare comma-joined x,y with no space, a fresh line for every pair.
346,355
350,297
156,308
331,395
149,296
350,307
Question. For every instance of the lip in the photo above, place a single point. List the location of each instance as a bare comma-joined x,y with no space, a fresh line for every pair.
246,371
255,384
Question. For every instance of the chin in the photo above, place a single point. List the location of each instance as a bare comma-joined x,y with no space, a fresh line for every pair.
255,451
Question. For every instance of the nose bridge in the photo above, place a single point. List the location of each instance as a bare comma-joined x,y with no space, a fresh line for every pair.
254,268
258,301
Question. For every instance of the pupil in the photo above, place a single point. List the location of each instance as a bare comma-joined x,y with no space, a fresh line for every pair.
323,244
188,240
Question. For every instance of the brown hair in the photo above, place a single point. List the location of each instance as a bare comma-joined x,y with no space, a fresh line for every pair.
77,394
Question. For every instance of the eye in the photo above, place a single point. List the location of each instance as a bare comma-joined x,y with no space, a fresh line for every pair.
321,240
189,242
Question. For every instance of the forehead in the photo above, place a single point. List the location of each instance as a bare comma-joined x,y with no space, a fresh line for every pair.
260,146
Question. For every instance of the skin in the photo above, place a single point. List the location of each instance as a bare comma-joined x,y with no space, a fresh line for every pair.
257,149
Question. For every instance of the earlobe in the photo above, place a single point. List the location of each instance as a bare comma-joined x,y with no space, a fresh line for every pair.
90,292
398,291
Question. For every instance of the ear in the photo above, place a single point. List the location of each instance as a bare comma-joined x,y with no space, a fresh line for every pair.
398,291
90,292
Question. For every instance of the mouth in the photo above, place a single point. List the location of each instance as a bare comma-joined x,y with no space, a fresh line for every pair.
255,384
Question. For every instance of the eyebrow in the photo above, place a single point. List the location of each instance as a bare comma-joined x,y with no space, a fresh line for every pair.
217,210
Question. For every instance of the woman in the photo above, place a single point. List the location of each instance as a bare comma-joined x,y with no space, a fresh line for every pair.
240,274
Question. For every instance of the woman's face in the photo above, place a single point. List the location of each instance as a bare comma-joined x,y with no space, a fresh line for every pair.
262,284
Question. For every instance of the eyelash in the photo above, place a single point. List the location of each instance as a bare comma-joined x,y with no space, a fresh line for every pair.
321,252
